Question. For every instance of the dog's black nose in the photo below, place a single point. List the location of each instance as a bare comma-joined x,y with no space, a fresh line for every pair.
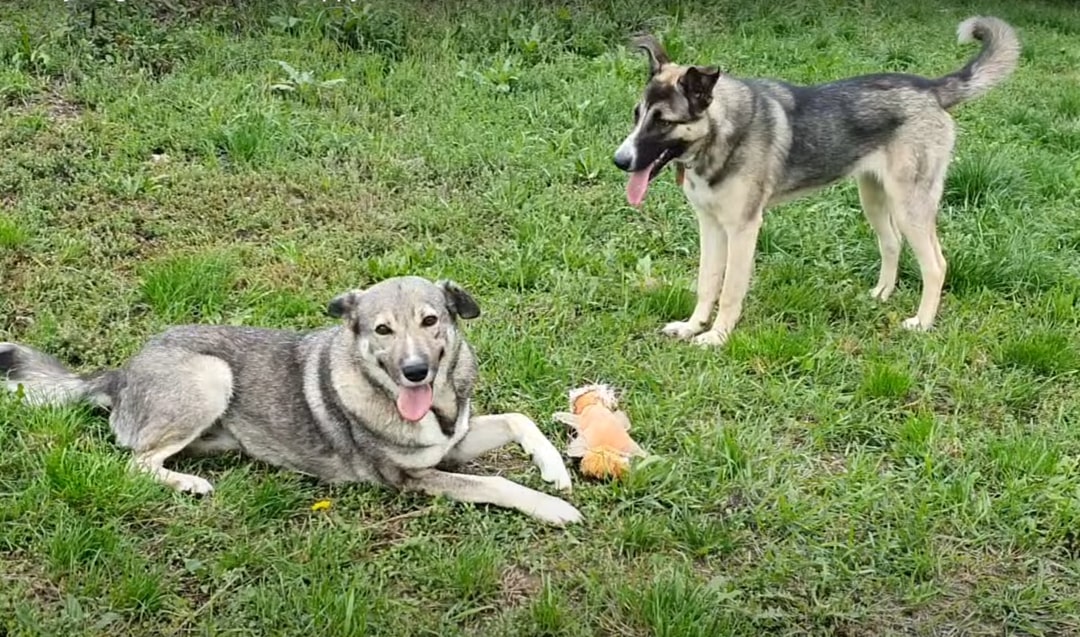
622,162
415,372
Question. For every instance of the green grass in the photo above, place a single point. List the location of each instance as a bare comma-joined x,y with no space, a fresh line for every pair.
824,473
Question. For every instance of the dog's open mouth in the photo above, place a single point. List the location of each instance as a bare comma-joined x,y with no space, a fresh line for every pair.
639,181
413,403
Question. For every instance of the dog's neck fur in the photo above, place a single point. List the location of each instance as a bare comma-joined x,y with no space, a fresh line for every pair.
713,149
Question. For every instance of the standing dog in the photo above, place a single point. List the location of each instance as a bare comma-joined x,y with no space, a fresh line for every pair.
743,145
383,397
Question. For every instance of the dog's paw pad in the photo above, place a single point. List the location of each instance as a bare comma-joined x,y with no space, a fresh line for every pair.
915,325
681,330
712,338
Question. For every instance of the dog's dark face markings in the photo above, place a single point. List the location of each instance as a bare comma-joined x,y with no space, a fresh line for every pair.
404,324
674,100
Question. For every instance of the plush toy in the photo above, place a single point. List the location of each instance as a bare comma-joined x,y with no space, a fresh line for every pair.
602,442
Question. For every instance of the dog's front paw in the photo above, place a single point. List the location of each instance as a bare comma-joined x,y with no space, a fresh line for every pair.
556,511
544,454
552,470
915,325
682,330
712,338
557,475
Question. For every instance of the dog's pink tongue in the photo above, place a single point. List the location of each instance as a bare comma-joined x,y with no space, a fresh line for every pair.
637,186
413,403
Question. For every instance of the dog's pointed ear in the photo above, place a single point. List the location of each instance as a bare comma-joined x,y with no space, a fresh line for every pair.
343,304
658,57
458,301
697,85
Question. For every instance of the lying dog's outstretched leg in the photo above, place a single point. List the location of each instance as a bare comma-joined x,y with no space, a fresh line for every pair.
875,206
742,244
711,263
493,490
496,430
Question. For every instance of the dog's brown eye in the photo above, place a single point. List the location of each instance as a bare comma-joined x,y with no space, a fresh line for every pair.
430,320
383,329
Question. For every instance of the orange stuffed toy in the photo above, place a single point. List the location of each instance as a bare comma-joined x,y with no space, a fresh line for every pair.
603,442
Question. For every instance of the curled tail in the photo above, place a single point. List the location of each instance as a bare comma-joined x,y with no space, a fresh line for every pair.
45,381
995,62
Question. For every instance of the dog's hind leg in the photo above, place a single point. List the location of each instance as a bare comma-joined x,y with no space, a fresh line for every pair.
497,430
152,461
875,205
915,208
169,402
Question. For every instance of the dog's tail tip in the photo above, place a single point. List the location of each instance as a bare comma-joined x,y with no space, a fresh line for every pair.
997,59
965,33
7,356
43,380
983,28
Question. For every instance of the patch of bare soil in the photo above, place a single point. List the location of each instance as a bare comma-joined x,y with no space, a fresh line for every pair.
517,586
20,572
54,105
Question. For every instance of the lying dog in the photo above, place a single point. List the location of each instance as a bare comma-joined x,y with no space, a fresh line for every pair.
384,397
743,145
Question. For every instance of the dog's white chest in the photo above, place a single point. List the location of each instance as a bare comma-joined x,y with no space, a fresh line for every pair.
698,192
432,444
726,200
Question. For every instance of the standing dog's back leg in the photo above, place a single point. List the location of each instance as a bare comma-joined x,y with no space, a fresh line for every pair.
914,197
875,206
170,400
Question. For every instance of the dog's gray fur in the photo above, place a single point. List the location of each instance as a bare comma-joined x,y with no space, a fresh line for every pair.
320,403
748,144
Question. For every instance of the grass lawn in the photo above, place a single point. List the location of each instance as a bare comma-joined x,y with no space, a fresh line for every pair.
826,472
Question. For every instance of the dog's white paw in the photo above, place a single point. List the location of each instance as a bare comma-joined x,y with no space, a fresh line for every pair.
555,511
915,325
882,292
546,458
544,454
682,330
555,473
712,338
190,484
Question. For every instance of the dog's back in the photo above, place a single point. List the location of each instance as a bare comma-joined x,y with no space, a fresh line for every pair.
836,124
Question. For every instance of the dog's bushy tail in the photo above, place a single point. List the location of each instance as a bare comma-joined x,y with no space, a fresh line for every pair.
995,62
45,381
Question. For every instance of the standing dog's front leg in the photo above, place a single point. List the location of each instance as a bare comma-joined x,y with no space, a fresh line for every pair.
493,490
742,244
711,263
496,430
